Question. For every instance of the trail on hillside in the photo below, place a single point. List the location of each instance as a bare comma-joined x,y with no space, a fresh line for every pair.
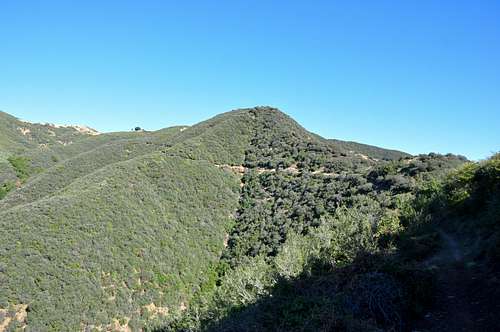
461,299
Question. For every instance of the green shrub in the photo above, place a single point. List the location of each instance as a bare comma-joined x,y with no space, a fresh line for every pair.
21,166
5,188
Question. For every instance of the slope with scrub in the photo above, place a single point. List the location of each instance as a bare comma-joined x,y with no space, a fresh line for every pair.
195,228
99,240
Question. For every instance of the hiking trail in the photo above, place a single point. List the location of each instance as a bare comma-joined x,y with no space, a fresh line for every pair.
461,299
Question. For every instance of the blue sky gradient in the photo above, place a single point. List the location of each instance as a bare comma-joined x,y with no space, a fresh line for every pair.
418,76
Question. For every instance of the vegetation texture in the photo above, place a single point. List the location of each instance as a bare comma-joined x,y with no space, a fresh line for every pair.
243,222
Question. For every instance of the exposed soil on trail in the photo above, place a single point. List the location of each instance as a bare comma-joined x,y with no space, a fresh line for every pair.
463,300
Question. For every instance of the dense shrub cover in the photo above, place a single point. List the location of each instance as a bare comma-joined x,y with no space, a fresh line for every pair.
105,248
245,221
69,169
16,135
371,151
313,244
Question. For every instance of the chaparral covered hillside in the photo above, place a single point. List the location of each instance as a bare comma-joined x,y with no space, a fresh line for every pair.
243,222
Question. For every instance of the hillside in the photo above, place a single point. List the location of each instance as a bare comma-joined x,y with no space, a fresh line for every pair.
102,242
370,150
92,222
205,227
82,158
17,136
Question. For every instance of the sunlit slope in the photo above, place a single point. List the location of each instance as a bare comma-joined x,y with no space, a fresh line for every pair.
17,136
370,150
137,232
223,139
125,231
68,170
47,156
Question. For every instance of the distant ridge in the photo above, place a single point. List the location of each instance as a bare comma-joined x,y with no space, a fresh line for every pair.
371,151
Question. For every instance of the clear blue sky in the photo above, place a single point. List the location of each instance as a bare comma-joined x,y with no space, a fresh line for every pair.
417,75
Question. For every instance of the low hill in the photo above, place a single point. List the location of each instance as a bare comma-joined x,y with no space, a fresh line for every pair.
111,242
59,173
17,136
109,223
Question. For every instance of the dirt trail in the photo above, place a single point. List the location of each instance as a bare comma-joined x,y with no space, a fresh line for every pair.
461,302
